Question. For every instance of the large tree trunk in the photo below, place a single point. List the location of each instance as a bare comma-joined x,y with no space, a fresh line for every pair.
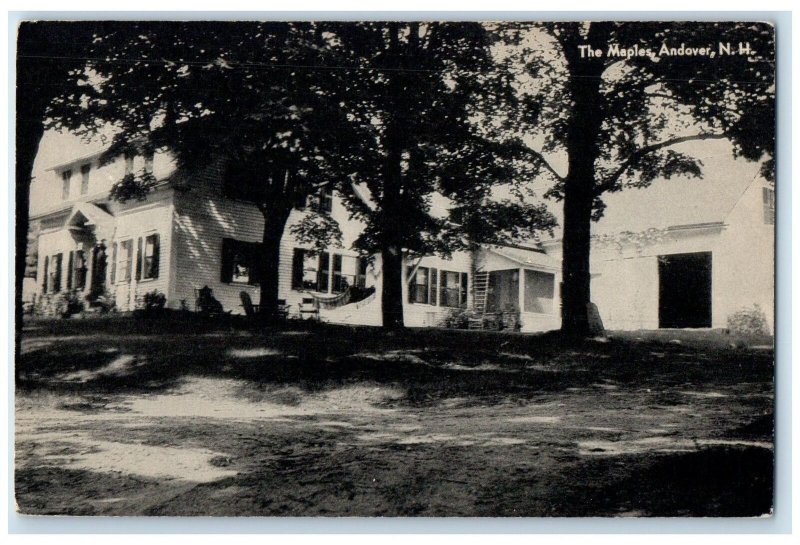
391,222
585,121
392,292
576,286
269,265
29,132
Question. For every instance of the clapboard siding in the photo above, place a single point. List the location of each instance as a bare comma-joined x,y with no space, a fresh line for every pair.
138,220
204,216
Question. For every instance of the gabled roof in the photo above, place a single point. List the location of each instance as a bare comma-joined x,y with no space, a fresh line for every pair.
88,214
680,202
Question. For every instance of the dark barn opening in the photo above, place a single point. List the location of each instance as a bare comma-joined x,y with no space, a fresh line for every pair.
684,290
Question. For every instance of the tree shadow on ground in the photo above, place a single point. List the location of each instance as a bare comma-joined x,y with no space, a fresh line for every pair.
721,481
134,356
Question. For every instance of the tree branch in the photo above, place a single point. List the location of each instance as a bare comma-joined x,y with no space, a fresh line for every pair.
609,182
540,158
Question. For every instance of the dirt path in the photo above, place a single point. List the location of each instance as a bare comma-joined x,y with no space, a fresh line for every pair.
219,446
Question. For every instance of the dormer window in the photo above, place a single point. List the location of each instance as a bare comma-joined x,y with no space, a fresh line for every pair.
85,169
65,181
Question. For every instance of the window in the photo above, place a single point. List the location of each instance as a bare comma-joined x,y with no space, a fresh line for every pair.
128,162
151,256
148,162
422,286
322,201
539,292
768,198
325,200
85,169
361,272
78,269
323,272
55,272
453,289
340,283
239,261
65,181
125,260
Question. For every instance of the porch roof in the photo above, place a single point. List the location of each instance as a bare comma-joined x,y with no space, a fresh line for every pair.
92,216
526,258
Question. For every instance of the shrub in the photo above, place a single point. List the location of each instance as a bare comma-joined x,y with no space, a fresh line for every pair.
106,301
154,301
457,318
59,305
748,322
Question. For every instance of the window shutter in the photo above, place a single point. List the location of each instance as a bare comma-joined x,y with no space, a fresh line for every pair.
139,259
156,255
297,268
464,289
254,254
113,263
45,273
411,283
322,271
432,281
70,269
227,261
57,270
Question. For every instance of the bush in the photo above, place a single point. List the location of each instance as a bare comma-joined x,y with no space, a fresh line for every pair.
154,301
59,305
106,301
457,318
748,322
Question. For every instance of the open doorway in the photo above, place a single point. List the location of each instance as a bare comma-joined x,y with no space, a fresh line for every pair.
684,290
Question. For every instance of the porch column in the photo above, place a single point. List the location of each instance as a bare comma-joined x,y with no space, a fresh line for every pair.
521,285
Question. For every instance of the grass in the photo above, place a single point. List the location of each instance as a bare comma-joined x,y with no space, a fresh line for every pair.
317,419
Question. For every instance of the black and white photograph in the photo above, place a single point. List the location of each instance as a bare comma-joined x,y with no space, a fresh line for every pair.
395,268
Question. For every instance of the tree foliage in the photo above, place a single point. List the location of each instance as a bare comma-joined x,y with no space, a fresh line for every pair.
616,120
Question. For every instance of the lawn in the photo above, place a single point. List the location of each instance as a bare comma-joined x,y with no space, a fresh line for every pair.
177,416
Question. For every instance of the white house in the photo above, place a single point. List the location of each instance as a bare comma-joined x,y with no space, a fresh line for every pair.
685,253
680,253
186,236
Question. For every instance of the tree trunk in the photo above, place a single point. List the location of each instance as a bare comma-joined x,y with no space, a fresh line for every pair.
585,121
269,258
392,292
576,278
29,132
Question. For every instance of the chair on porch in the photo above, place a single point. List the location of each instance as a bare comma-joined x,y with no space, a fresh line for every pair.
250,309
309,310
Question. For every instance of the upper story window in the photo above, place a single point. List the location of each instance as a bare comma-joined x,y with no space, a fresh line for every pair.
322,201
85,170
128,162
768,199
148,162
66,177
